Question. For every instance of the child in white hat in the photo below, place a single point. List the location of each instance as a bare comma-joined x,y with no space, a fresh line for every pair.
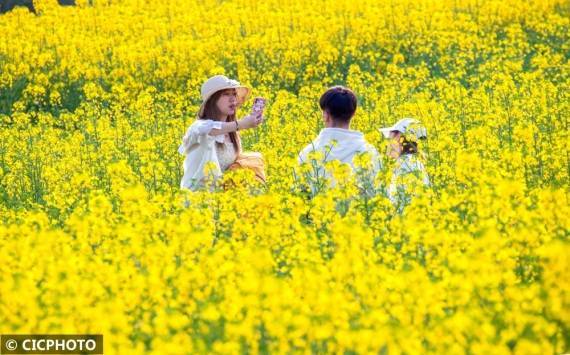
408,168
213,138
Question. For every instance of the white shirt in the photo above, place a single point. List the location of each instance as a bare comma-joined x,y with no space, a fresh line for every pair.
348,144
226,153
405,164
200,149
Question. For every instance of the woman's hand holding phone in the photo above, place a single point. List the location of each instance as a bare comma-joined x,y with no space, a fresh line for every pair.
249,121
258,106
257,109
256,117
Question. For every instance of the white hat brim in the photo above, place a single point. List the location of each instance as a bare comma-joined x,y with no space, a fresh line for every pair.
386,131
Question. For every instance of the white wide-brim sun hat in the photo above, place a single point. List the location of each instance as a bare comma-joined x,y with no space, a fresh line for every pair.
222,82
405,126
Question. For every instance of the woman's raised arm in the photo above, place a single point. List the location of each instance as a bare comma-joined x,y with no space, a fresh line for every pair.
247,122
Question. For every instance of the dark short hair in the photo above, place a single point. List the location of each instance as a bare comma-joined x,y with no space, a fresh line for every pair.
409,146
340,103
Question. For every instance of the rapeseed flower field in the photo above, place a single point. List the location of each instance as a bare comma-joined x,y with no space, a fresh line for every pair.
96,235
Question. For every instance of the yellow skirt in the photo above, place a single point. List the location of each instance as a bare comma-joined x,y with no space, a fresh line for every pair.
252,161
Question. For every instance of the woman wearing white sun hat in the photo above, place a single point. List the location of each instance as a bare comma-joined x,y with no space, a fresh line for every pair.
408,168
213,139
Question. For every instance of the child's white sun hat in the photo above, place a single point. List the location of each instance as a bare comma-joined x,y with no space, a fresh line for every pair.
405,126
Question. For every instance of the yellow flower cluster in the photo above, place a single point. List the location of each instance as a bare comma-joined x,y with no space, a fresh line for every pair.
97,237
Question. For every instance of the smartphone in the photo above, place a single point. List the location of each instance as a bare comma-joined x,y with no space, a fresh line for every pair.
258,105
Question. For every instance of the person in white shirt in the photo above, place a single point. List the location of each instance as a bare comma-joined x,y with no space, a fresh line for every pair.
337,141
212,142
408,168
